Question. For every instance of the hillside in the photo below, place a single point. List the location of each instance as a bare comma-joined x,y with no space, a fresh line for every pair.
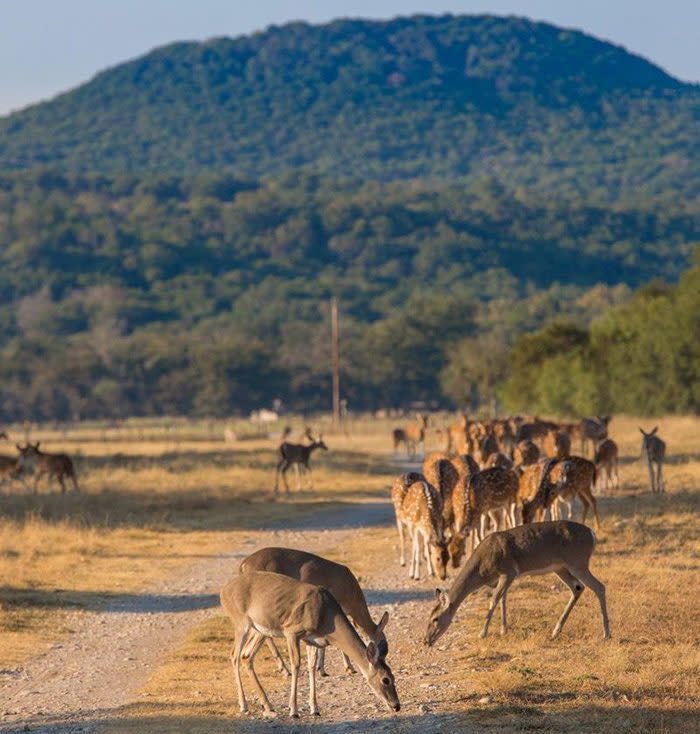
531,104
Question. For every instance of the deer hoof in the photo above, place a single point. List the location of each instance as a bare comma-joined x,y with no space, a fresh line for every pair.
270,714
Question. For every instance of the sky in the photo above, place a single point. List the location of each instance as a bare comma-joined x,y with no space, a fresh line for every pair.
49,46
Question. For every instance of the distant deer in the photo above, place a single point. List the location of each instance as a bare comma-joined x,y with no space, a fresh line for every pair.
411,435
557,445
606,458
12,469
488,446
338,579
500,460
49,465
593,430
420,512
526,452
274,605
654,449
563,547
292,454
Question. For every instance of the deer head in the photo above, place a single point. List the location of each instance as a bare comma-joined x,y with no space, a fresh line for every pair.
440,618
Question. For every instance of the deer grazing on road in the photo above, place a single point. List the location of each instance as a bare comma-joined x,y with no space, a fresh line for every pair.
606,458
338,579
411,435
419,510
654,449
59,466
296,454
563,547
274,605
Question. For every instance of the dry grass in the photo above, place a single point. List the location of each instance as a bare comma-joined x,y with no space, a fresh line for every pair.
173,500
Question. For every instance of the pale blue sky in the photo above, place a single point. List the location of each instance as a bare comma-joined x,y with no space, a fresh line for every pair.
48,46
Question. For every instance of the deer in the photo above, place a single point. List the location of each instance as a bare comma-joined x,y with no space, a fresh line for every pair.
457,435
274,605
488,445
335,577
420,512
291,454
593,430
441,473
557,445
564,480
654,449
563,547
411,435
606,458
526,452
49,465
500,460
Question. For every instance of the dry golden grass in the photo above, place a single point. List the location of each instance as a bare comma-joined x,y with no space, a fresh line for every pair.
173,500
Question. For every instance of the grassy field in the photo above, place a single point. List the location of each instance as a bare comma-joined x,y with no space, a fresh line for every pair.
155,502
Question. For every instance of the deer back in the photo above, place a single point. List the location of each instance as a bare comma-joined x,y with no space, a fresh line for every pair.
422,507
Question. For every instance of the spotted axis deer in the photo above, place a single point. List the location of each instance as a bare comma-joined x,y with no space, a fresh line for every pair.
526,452
440,472
296,453
593,430
411,435
563,481
420,512
563,547
654,449
274,605
490,495
606,458
488,445
49,465
335,577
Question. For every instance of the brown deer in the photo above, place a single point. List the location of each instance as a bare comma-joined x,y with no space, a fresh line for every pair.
274,605
654,449
500,460
442,473
606,458
411,435
557,445
296,454
420,512
488,445
563,481
563,547
593,430
12,469
505,436
49,465
338,579
526,452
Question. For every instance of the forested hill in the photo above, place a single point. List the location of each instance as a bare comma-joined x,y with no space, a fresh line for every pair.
533,105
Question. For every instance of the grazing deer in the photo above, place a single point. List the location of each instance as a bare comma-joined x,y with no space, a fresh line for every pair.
338,579
411,435
420,512
563,547
606,457
593,430
526,452
557,445
49,465
655,451
275,605
490,494
564,481
296,454
442,473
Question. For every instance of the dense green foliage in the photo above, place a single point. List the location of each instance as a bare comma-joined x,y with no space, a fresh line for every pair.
537,107
642,357
171,232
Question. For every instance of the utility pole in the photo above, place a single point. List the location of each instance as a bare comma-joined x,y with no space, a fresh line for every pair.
335,361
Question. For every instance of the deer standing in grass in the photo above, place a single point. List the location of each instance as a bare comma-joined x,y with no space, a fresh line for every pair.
59,466
563,547
338,579
654,449
606,458
593,430
296,454
411,435
12,469
419,510
274,605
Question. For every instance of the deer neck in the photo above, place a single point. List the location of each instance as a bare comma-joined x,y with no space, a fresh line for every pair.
345,638
467,582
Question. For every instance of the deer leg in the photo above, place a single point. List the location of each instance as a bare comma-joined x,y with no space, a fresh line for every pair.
321,662
297,472
576,588
294,661
348,665
311,478
399,527
62,482
589,580
415,563
280,464
504,624
428,559
651,474
311,655
659,478
37,477
281,667
503,583
285,469
74,479
249,664
241,635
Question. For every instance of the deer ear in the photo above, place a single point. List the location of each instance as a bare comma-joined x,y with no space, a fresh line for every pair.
641,430
36,445
654,430
382,622
18,447
444,599
372,653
